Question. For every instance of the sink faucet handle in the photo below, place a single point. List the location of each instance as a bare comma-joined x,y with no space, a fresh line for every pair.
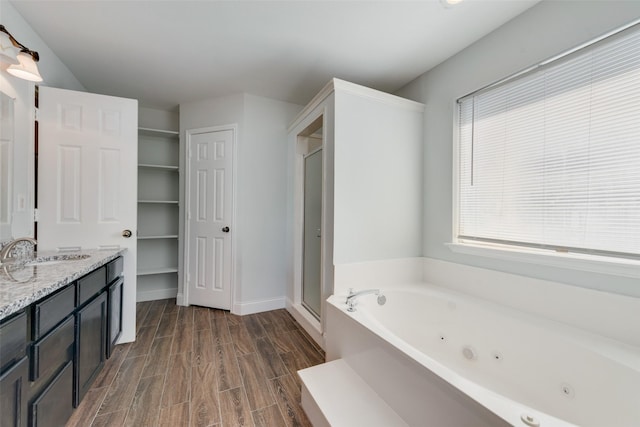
9,247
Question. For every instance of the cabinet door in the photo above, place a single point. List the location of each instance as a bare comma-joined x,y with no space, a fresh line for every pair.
53,407
13,393
91,339
13,339
115,314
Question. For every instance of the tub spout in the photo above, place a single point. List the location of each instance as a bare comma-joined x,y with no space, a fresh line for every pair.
352,298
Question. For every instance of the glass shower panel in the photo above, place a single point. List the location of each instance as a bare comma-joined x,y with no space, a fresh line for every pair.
311,283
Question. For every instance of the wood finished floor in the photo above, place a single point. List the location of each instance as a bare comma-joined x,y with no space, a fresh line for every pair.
194,366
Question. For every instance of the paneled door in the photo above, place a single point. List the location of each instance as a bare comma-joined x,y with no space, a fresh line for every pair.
209,217
87,179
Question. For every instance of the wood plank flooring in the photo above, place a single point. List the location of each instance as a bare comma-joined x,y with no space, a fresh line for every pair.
194,366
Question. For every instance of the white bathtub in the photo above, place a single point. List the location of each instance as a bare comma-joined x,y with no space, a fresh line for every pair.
439,358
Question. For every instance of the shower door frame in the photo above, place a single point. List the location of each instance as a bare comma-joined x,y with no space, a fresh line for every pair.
322,113
305,303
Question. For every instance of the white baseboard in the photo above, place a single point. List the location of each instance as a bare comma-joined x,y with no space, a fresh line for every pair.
180,299
258,306
156,294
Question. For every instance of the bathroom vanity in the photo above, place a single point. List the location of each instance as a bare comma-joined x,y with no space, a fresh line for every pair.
58,324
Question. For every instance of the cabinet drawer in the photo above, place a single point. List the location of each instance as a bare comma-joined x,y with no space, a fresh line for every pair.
52,310
13,339
114,269
91,285
49,353
53,406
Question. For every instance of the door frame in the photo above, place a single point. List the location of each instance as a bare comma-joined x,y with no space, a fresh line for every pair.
183,291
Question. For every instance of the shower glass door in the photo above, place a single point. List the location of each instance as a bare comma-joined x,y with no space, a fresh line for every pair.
311,268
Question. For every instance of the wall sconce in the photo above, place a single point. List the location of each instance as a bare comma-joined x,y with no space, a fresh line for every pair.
22,59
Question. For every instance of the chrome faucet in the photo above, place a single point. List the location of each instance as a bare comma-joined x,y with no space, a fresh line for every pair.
352,297
6,249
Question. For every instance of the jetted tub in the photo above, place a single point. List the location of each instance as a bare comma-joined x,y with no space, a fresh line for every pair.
440,358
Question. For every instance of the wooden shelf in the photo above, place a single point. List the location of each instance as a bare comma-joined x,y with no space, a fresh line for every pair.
171,202
167,236
151,271
158,132
159,167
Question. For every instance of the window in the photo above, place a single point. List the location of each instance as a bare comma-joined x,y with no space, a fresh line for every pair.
550,158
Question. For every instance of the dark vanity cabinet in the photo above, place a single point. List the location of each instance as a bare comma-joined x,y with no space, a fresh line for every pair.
91,331
53,350
51,358
115,289
13,389
14,370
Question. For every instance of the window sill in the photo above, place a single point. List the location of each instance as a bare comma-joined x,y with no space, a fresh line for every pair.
582,262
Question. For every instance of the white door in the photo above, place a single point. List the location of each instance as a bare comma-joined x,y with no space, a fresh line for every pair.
209,213
87,179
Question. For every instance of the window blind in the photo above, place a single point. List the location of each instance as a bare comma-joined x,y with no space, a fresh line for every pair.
551,159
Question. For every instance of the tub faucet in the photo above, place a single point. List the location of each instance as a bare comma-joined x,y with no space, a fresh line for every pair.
6,249
352,297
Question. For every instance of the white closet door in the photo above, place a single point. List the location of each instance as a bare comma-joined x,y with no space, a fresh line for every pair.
210,209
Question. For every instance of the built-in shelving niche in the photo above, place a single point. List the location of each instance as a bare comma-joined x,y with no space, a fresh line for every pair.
158,194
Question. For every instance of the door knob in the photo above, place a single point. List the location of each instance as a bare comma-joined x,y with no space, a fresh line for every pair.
126,233
225,229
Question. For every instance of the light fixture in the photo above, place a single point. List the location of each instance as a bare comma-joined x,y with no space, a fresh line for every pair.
450,3
24,62
8,52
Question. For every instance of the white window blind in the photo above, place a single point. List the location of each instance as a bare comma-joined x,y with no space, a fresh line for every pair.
551,159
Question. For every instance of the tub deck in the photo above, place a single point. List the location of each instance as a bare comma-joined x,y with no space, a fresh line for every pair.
490,370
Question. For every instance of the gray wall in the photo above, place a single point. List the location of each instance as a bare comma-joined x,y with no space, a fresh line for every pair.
543,31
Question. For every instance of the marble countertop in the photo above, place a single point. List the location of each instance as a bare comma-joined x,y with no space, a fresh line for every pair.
19,287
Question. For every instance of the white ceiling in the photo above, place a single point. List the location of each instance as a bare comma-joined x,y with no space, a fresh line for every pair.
164,53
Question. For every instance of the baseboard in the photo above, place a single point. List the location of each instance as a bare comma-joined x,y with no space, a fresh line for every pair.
180,299
156,294
258,306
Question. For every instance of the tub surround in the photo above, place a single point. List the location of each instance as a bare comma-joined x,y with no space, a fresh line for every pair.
606,314
571,355
20,287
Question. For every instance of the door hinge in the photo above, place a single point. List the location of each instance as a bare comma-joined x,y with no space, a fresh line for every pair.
36,215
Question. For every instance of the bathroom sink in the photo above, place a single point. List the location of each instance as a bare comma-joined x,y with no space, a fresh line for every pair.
56,259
